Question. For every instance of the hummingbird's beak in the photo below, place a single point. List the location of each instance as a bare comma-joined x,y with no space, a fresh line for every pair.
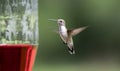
52,19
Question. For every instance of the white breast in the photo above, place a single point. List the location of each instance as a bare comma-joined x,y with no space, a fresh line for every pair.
63,30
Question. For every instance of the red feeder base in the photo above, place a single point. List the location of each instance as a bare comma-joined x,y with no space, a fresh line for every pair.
18,57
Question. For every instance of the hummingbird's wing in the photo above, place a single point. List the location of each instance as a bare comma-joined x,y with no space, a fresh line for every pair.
74,32
56,31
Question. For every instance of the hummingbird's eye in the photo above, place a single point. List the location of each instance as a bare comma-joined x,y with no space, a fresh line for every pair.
61,21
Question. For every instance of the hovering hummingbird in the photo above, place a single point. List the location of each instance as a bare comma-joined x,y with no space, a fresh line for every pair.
66,35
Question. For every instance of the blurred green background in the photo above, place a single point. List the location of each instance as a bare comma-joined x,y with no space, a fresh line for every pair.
97,48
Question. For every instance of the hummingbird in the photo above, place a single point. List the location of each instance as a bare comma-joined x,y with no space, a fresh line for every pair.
67,34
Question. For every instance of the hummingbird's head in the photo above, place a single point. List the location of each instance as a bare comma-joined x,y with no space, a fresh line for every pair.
61,22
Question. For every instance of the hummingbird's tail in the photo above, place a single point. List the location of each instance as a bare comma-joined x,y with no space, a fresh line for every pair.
71,51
